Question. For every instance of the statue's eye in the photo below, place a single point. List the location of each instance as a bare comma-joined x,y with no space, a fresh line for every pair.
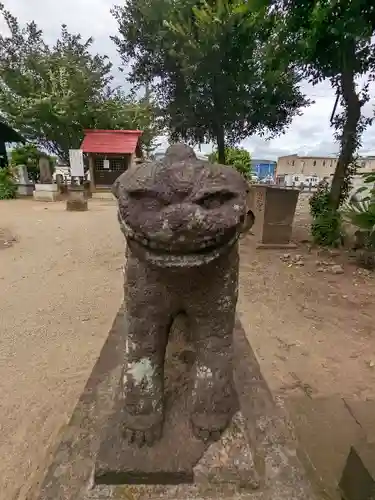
215,200
148,197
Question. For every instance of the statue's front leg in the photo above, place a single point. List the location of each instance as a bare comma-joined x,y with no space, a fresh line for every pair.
213,396
148,319
212,316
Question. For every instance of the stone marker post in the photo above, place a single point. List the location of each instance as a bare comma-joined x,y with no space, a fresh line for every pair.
45,171
46,190
24,188
23,176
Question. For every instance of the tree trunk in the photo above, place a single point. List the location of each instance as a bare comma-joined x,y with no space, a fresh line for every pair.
349,138
139,150
220,140
218,122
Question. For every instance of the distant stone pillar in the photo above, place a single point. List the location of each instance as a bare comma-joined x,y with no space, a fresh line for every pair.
23,176
24,187
45,171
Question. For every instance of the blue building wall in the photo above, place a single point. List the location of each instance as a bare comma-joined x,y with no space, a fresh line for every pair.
263,168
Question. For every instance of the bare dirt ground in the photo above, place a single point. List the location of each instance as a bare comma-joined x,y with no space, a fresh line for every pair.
60,287
314,335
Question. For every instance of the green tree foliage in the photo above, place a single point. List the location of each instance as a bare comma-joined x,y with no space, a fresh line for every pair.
333,39
29,155
208,66
239,158
52,93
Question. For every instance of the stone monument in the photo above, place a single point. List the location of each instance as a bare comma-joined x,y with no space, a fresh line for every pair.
77,199
46,190
24,187
45,171
176,406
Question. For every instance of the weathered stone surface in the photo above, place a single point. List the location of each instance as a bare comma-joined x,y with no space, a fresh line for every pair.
169,461
45,171
182,219
70,474
77,200
364,414
229,460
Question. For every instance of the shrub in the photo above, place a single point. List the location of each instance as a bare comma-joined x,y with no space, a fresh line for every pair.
361,214
319,201
326,227
239,158
8,187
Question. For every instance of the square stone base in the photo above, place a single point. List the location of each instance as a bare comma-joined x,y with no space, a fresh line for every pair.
25,189
255,459
46,192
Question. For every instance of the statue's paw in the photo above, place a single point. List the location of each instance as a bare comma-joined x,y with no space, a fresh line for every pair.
209,427
143,437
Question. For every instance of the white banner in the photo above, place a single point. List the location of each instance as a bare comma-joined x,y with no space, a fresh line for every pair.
76,162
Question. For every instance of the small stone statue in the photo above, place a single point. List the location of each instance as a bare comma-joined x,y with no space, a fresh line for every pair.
182,219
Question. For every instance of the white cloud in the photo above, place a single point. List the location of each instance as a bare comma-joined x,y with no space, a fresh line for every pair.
308,134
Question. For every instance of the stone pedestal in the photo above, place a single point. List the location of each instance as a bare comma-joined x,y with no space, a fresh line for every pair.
274,210
255,459
77,201
25,189
46,192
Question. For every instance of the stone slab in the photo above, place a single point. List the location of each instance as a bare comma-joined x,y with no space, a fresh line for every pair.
268,428
169,461
358,479
364,414
326,430
70,475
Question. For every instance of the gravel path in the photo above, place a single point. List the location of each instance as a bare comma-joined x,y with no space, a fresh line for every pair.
60,288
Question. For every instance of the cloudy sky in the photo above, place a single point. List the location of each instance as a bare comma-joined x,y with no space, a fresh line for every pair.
308,134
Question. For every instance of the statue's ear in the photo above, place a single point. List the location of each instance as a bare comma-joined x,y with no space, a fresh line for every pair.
248,221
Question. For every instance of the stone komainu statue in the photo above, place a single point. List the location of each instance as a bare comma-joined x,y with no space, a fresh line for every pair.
182,219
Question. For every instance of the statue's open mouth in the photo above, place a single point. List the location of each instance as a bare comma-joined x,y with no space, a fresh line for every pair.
169,254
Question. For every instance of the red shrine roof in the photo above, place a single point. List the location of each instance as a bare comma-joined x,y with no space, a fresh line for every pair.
110,141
